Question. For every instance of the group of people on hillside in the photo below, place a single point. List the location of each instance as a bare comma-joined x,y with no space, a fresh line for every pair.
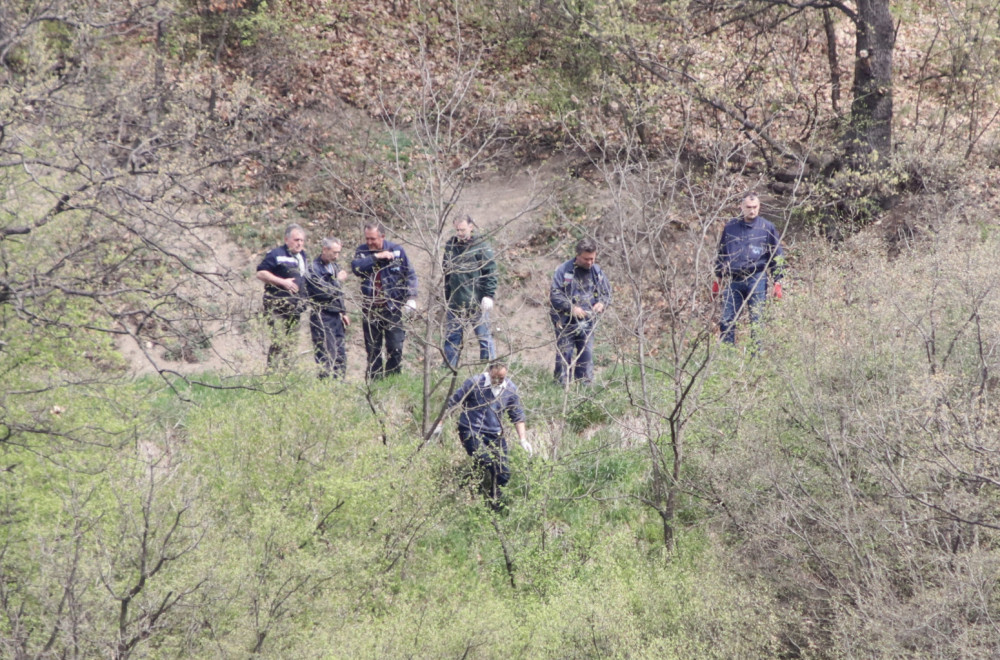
579,294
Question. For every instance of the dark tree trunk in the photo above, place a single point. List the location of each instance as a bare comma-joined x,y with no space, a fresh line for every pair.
870,137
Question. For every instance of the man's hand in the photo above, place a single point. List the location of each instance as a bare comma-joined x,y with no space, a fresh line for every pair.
578,312
289,284
777,290
385,254
342,275
598,308
346,319
486,303
411,307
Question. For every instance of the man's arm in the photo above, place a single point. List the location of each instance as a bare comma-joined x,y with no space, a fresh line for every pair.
488,273
363,263
557,295
721,259
411,275
287,283
777,263
603,293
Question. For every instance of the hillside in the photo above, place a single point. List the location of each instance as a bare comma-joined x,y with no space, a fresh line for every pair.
826,493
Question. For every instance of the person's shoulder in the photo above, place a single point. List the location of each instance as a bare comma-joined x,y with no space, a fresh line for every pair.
271,257
767,224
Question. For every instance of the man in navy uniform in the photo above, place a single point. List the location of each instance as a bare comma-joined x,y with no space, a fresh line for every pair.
749,250
283,271
328,316
388,289
484,399
578,296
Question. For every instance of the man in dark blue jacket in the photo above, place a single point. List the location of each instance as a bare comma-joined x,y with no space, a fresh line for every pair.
328,316
578,296
749,249
282,271
388,288
484,399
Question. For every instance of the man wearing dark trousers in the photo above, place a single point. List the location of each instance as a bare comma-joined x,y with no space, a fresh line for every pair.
484,399
749,250
578,296
328,316
388,290
283,271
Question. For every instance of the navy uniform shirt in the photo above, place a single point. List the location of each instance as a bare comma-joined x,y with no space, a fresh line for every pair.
282,263
324,289
580,287
748,248
482,410
385,282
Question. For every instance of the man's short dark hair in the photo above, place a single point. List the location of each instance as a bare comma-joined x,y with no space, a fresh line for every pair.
496,364
750,195
586,245
376,225
292,227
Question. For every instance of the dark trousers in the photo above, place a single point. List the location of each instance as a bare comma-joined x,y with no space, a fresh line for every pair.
327,330
574,352
489,452
283,319
383,330
749,292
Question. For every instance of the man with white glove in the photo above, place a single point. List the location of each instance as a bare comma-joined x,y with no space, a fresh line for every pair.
388,290
483,399
470,283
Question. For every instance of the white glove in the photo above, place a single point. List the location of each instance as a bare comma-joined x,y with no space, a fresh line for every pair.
411,306
486,304
437,430
527,447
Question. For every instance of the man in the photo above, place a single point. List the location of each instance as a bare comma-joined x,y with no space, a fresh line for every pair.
470,282
282,271
749,249
483,399
329,315
579,295
388,287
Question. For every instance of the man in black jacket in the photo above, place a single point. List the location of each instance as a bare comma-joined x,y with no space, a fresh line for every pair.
328,316
283,271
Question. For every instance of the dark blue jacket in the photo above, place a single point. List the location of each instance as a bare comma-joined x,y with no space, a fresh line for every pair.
749,248
395,277
282,263
572,285
481,410
324,289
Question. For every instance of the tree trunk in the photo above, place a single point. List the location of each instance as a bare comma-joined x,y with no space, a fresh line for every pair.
870,137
